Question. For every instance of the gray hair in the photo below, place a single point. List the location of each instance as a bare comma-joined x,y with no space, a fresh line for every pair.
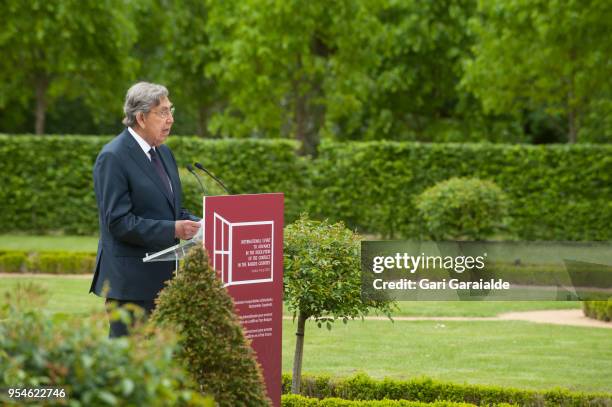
142,97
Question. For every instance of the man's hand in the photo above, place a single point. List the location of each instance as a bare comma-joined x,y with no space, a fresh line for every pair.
186,229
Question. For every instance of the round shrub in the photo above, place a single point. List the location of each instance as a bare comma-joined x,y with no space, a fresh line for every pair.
213,347
462,208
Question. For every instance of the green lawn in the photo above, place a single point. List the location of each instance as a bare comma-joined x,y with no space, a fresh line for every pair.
476,308
70,295
505,353
89,243
49,243
66,294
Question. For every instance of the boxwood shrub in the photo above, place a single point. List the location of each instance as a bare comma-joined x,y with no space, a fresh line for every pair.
601,310
362,387
48,181
213,347
13,262
295,400
51,262
462,208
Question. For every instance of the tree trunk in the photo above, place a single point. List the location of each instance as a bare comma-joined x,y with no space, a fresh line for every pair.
573,128
203,121
307,115
41,104
572,116
301,132
296,381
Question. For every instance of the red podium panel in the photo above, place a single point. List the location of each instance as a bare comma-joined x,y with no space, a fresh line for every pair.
243,235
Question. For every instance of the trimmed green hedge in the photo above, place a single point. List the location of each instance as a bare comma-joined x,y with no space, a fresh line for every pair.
601,310
559,192
301,401
246,167
48,181
47,262
48,184
362,387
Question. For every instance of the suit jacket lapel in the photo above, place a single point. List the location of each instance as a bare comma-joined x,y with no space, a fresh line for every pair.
145,165
172,174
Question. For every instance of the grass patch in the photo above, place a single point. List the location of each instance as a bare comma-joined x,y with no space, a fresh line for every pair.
68,295
504,353
49,243
476,308
73,291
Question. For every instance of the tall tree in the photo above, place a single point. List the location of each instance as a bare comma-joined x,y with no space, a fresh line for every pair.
284,64
322,280
190,53
64,48
552,55
420,47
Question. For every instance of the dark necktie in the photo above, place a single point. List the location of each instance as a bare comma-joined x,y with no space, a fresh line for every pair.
159,168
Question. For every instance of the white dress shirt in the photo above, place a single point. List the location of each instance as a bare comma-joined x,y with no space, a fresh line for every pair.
145,147
141,142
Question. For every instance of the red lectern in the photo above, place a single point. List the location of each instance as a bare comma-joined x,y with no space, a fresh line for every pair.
243,235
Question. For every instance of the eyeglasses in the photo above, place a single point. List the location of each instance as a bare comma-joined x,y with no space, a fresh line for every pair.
165,113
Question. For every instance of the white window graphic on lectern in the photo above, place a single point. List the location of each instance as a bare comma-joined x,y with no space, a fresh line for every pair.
243,251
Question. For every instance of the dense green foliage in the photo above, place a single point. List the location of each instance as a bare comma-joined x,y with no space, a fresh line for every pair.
601,310
70,49
409,88
186,30
449,70
555,192
545,55
306,63
322,272
294,400
76,355
213,347
362,387
462,208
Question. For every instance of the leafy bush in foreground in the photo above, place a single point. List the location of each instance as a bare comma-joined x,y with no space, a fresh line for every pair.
76,355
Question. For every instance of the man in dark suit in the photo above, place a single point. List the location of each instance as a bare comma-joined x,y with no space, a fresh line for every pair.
138,192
